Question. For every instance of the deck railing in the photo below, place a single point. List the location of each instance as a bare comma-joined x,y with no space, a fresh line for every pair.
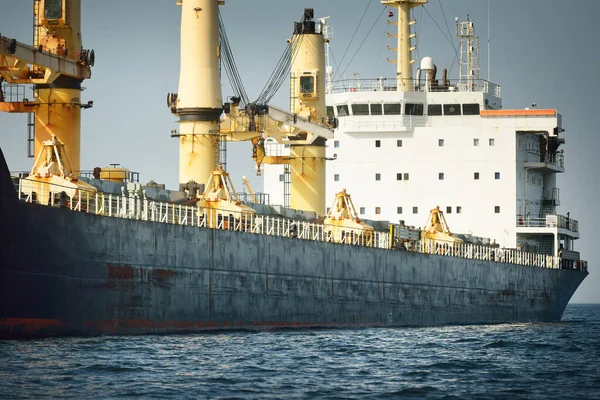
548,221
555,159
135,206
391,85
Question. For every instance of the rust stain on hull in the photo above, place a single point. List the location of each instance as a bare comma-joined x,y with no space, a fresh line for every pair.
114,271
165,273
17,328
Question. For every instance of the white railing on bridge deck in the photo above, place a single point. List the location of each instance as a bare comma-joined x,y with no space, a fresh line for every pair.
548,221
391,84
134,206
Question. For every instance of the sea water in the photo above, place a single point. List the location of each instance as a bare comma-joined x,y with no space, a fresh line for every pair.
514,361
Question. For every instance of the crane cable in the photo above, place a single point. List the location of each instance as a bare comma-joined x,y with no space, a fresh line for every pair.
449,35
354,34
282,69
277,77
363,42
230,65
445,36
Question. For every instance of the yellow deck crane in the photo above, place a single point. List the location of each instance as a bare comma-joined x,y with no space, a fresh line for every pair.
250,190
52,175
342,224
202,125
436,228
222,207
55,65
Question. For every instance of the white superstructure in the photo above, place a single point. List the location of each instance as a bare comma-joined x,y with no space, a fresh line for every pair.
402,151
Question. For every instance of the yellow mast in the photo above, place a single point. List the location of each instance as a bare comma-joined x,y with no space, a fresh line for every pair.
56,65
59,111
198,102
404,60
307,162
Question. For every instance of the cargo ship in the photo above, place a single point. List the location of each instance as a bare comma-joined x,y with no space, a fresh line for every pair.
99,253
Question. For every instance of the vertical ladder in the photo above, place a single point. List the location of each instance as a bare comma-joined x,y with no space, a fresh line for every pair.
30,135
220,151
292,94
31,116
286,186
36,24
223,151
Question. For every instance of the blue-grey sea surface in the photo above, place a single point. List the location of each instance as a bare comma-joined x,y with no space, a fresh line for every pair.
512,361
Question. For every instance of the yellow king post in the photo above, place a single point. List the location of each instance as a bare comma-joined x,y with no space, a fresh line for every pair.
59,111
56,65
307,162
198,102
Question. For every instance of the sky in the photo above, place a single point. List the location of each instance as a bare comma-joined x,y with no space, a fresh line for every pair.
542,51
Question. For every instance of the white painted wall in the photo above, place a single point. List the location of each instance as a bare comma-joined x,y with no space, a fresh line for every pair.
358,160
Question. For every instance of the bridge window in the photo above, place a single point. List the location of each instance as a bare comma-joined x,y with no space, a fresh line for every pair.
475,142
377,177
413,109
398,143
497,175
441,142
497,209
415,210
336,143
399,176
281,177
458,209
434,109
476,176
391,109
378,143
470,109
336,177
398,210
449,210
362,211
406,176
342,110
492,142
441,176
360,109
376,109
451,109
53,9
377,210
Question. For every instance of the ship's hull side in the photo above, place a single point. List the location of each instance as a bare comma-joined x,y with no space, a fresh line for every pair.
70,273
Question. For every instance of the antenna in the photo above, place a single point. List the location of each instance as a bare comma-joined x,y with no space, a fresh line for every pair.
469,54
327,35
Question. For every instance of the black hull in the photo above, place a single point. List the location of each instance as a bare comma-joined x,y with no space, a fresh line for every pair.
70,273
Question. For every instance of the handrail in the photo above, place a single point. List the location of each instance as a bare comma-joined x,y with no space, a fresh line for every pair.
134,206
548,221
391,84
555,159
